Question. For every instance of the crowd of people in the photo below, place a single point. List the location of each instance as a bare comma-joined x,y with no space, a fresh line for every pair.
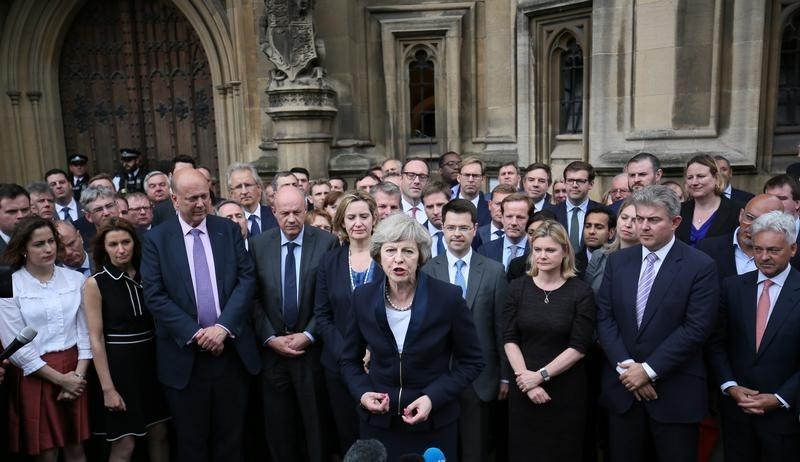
413,311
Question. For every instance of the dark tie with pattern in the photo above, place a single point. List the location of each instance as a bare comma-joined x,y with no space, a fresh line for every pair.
254,228
290,308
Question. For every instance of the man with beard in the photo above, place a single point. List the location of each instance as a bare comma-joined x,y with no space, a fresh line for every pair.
131,178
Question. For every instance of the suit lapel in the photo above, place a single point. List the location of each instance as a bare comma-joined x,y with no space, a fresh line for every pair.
419,308
379,309
179,246
474,280
273,254
630,288
748,302
309,244
661,284
216,237
786,303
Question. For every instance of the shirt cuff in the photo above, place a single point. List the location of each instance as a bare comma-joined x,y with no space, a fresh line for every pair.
226,330
504,381
193,337
726,385
650,372
84,354
310,337
269,339
784,404
620,370
32,366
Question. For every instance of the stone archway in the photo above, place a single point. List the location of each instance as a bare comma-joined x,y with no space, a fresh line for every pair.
30,115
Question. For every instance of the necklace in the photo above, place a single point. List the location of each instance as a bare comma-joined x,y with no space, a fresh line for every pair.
395,307
547,295
350,266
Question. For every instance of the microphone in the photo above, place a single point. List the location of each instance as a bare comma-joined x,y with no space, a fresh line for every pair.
27,334
366,451
434,455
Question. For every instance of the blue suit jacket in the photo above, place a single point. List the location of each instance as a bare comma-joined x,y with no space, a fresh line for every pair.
484,216
441,354
333,302
170,295
720,249
742,197
775,367
494,249
268,220
679,317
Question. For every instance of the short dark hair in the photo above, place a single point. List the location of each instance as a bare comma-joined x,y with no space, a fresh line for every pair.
540,166
366,174
510,164
782,180
503,188
516,197
460,206
99,254
344,182
579,165
440,161
541,215
642,156
183,159
12,191
302,170
436,187
54,171
722,158
602,209
16,249
39,187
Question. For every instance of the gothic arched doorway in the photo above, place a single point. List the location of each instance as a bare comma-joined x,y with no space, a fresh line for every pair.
133,73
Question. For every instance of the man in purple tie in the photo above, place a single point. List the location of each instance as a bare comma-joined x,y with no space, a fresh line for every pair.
199,285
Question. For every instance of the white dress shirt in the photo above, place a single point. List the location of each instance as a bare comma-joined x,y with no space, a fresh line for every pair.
72,207
583,207
744,262
451,266
53,308
257,213
188,241
421,216
398,323
435,240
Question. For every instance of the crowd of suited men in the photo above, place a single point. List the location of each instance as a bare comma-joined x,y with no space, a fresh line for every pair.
709,368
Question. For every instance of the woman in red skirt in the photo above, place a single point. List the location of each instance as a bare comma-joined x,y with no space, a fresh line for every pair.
48,409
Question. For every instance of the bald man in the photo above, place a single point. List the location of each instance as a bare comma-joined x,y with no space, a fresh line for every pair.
733,252
286,259
199,284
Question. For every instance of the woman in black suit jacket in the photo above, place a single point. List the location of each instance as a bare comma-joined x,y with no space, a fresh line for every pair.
414,325
340,272
708,212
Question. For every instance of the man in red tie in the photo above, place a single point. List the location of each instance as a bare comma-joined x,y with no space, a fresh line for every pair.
754,350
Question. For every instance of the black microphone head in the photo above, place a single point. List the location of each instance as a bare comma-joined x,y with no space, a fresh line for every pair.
26,335
366,451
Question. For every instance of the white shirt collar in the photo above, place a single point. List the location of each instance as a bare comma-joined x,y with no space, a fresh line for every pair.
660,253
432,229
452,259
583,205
186,227
5,237
727,191
297,240
256,213
780,279
474,201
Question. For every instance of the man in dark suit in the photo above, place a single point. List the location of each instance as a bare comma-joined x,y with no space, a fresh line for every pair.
163,210
515,209
579,178
494,229
15,204
131,177
470,180
643,169
733,252
655,309
286,259
245,187
483,285
199,284
536,181
598,230
726,172
754,350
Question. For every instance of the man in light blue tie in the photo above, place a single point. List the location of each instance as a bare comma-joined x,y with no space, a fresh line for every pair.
656,308
434,197
198,284
579,178
483,285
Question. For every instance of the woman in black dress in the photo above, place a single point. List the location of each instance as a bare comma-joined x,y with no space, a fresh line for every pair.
121,334
549,320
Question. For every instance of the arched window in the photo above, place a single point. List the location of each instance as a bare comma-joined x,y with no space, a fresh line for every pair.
422,95
789,75
571,98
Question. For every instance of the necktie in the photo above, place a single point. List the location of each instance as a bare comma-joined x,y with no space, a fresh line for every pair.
512,254
66,214
460,282
498,234
439,243
762,312
290,309
206,308
254,228
414,212
574,230
645,284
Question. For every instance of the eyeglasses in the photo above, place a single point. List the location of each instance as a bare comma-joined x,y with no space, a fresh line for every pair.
139,209
472,176
461,229
576,181
411,176
110,206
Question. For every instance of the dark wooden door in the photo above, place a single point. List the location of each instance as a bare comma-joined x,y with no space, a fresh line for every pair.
134,74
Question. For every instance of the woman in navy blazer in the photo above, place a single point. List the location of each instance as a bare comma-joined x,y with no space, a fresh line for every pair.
340,272
414,325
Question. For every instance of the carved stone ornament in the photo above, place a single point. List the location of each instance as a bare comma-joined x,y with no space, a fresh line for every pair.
288,37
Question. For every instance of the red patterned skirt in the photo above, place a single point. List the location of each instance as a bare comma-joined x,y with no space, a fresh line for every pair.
37,421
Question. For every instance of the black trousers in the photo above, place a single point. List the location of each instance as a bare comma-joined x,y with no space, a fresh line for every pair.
209,413
745,441
635,437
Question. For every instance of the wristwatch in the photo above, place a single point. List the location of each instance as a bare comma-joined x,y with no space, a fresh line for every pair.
545,374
